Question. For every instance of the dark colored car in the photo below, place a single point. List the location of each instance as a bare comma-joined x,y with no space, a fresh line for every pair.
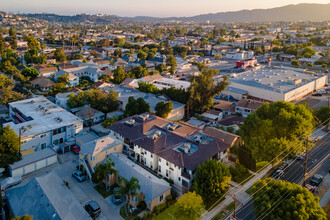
317,94
93,208
78,175
75,149
117,198
316,180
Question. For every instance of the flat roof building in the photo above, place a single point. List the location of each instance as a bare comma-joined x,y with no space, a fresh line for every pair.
278,83
41,124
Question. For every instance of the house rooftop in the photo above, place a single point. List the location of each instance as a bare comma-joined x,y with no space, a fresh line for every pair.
151,185
99,145
39,115
46,197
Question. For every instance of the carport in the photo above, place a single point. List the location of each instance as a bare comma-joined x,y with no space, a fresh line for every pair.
33,162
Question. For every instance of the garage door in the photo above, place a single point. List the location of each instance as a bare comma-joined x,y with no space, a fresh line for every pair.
51,160
41,164
18,172
29,168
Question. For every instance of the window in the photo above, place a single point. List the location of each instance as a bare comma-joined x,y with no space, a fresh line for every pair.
159,169
166,163
151,155
136,198
43,135
115,149
55,142
166,173
179,179
160,160
151,164
43,145
94,158
107,152
161,198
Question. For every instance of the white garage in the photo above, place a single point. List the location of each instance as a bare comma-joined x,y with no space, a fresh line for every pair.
33,162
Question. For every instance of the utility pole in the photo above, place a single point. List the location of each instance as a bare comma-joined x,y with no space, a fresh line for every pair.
306,156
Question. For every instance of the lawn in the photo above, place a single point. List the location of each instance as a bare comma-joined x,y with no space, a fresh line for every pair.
100,188
171,212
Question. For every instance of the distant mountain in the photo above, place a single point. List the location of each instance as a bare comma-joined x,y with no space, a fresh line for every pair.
300,12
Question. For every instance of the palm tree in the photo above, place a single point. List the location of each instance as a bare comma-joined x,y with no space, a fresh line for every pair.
103,171
129,188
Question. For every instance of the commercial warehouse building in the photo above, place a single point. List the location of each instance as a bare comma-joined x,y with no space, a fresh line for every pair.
278,83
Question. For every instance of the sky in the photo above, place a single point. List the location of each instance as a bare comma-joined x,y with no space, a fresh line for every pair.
131,8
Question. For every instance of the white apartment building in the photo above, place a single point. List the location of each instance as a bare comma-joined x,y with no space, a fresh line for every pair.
41,124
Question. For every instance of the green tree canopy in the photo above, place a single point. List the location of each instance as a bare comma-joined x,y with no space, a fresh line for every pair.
191,205
63,79
119,75
142,55
6,91
171,62
147,87
275,127
277,199
136,106
30,72
212,179
77,56
9,146
12,38
139,71
163,109
203,90
60,55
323,113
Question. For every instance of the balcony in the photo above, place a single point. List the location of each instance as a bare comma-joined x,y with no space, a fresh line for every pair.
185,175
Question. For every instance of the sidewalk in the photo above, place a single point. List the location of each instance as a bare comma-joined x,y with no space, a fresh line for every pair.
241,195
326,197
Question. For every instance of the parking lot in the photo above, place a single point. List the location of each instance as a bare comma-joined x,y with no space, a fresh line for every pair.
83,191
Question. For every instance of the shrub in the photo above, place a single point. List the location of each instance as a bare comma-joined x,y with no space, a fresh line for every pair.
239,173
159,208
142,205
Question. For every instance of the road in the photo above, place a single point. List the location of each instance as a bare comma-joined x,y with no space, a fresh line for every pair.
318,162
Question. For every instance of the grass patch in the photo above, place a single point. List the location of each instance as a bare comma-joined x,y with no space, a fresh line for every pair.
122,213
171,212
220,215
260,165
100,188
230,207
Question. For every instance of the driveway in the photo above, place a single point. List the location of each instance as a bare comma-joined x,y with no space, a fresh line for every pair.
83,191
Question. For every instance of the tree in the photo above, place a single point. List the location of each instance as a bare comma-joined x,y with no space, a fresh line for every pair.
147,87
63,79
178,95
104,43
203,90
277,199
58,88
103,171
129,188
309,64
324,65
150,56
6,91
323,113
309,51
136,106
171,62
211,180
33,44
139,71
163,109
119,42
295,63
60,55
142,55
191,205
94,53
2,43
30,72
118,53
9,146
12,38
275,127
119,75
77,56
24,217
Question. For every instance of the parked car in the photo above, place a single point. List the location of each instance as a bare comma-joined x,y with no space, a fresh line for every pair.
316,180
310,188
300,156
93,208
317,94
75,149
117,198
278,174
78,175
